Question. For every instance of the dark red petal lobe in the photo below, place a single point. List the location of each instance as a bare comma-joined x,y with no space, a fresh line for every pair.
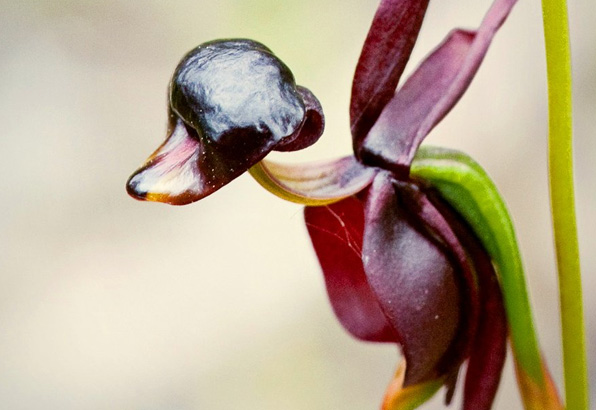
489,348
429,94
413,279
336,234
383,58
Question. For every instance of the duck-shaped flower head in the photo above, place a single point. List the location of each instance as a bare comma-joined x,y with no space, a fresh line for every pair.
231,102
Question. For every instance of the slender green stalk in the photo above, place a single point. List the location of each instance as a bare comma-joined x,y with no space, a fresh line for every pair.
558,59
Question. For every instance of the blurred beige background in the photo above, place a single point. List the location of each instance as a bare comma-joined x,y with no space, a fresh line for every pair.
108,303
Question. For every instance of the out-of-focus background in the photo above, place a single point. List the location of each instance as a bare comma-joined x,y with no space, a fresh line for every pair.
109,303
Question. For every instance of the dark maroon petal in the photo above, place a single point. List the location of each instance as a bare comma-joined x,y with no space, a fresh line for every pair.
311,128
490,344
413,279
434,223
489,347
336,234
384,55
239,99
429,94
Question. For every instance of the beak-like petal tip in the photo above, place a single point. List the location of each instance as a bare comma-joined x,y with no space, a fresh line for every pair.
171,175
143,185
134,187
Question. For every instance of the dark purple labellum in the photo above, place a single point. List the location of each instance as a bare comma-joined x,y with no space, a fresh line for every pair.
231,103
236,92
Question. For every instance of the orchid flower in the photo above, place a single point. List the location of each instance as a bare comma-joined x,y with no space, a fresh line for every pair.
415,243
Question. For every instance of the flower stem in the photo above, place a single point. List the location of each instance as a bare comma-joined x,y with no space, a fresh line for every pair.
558,59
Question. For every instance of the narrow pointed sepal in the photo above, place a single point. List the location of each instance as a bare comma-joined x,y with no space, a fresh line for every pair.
489,346
429,94
386,51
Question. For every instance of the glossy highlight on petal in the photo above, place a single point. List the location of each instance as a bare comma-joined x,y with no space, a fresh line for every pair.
236,93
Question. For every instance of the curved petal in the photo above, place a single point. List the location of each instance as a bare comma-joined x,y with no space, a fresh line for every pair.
317,183
336,234
413,280
469,190
383,58
429,94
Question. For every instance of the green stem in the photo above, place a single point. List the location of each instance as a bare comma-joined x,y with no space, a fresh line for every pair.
558,59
